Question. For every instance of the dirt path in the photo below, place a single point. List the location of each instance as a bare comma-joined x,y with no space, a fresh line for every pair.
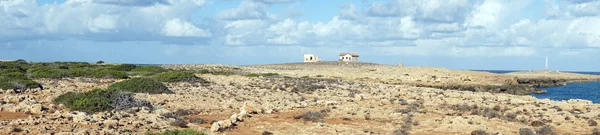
12,115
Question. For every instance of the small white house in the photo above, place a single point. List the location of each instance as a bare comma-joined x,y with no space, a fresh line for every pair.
348,57
311,58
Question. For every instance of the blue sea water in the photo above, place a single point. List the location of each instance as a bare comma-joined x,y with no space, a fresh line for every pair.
587,90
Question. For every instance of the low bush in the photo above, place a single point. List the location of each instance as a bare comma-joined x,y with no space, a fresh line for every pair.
141,85
147,70
479,132
7,83
99,100
106,73
15,75
177,76
178,132
124,100
316,116
12,70
100,62
526,131
253,75
261,74
155,69
270,74
88,102
123,67
78,72
216,72
48,72
204,71
546,130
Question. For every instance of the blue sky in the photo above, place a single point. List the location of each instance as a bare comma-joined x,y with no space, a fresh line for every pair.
457,34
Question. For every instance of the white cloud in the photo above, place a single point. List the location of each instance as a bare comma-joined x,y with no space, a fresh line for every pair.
177,27
133,2
407,27
247,10
349,11
103,23
119,20
276,1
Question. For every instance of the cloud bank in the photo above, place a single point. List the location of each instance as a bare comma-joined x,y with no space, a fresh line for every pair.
458,28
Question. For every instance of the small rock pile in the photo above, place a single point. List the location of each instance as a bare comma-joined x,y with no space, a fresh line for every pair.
245,111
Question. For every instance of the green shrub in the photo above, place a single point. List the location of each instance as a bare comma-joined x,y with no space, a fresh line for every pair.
98,100
147,70
177,76
123,67
204,71
100,62
12,69
12,80
263,74
20,61
155,69
141,85
270,74
14,75
178,132
216,72
48,72
78,72
105,73
91,104
253,75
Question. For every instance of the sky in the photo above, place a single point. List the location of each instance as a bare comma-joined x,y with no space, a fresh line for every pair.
455,34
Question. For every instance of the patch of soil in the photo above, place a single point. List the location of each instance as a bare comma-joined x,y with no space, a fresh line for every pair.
12,115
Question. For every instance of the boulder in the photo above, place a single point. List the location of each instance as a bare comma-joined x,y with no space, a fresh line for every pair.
80,117
111,123
225,124
36,109
16,99
248,109
358,98
215,127
234,118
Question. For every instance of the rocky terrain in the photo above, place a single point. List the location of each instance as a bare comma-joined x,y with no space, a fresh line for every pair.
315,98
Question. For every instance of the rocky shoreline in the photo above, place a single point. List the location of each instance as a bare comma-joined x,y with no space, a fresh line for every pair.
317,98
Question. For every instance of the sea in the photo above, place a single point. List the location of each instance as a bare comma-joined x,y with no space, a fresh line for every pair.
585,90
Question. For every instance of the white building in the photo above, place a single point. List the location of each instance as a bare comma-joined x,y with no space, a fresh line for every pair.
311,58
348,57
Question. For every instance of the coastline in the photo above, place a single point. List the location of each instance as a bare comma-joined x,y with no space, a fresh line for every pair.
347,98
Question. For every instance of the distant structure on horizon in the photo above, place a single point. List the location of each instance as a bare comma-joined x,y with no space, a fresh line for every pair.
548,69
348,57
311,58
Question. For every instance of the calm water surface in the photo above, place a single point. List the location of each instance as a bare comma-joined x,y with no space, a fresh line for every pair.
587,90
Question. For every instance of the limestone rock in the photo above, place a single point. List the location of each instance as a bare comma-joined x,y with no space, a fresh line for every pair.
111,123
215,127
234,118
36,109
358,97
17,99
80,117
248,109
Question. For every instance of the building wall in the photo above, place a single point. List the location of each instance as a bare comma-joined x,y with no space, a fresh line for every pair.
348,58
307,58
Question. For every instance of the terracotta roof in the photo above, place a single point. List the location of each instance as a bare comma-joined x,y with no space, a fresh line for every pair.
352,54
